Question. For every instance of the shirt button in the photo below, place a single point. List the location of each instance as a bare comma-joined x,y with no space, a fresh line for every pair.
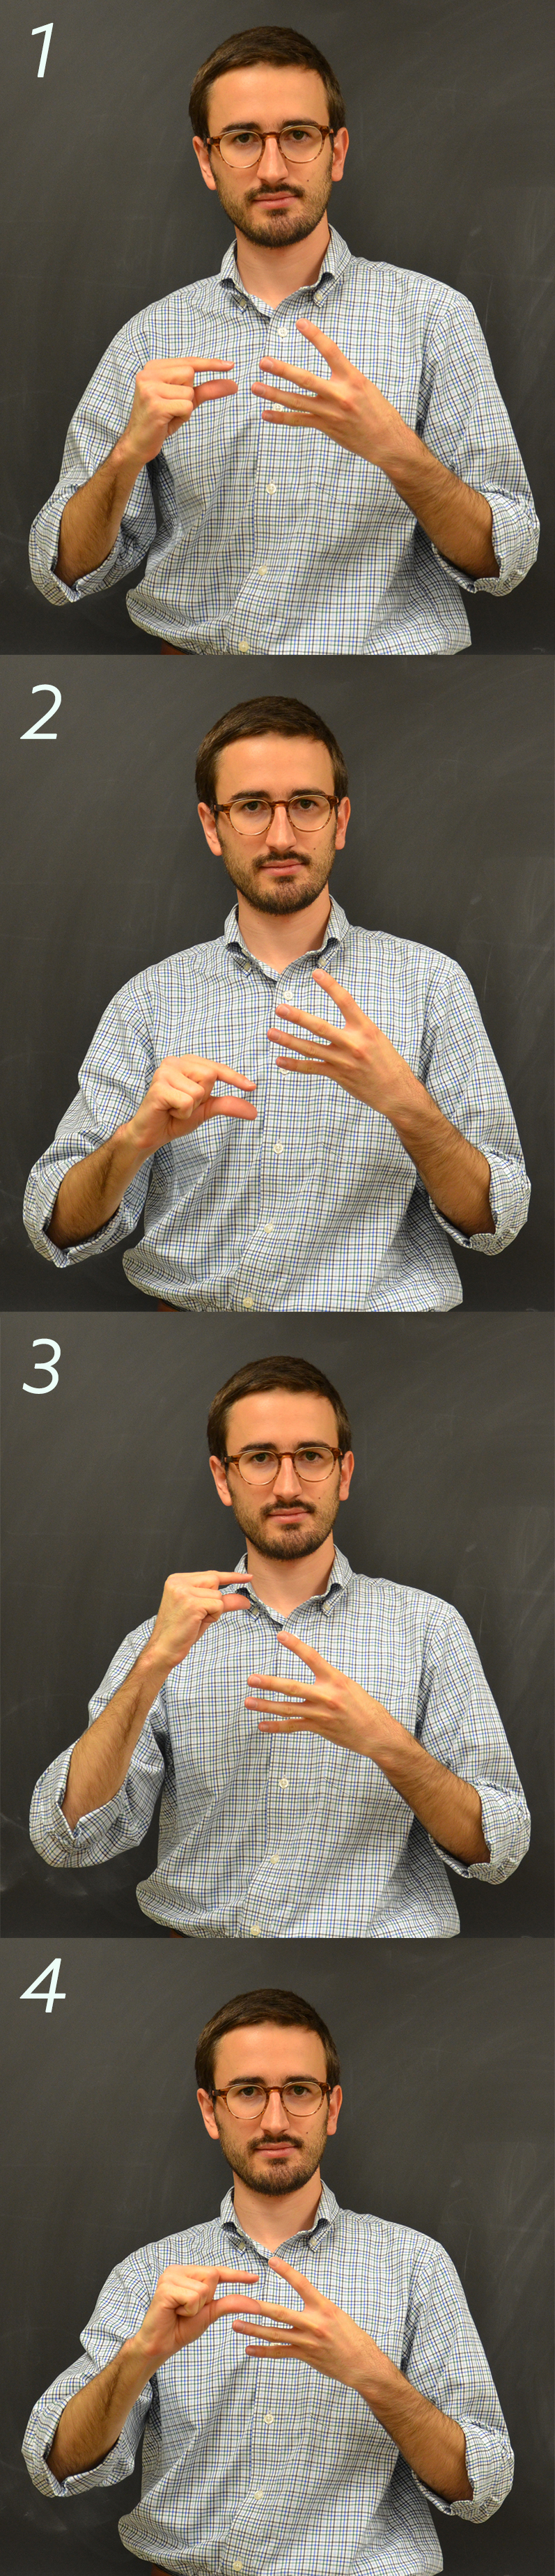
242,648
270,1227
255,1932
271,488
267,2419
262,568
288,997
248,1302
237,2564
282,1783
278,1149
274,1859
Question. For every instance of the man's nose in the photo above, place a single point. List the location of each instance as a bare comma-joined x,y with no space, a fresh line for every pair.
279,835
287,1481
272,164
274,2115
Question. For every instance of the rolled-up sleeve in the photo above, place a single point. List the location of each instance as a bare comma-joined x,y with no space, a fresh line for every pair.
119,2312
447,2363
97,424
466,425
462,1728
113,1079
125,1819
461,1073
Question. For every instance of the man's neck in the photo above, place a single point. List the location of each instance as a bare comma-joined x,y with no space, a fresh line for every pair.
283,1582
277,938
273,274
272,2221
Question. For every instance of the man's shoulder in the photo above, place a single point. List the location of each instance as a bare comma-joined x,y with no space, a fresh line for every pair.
183,970
401,1602
386,2242
390,950
198,2244
169,313
387,281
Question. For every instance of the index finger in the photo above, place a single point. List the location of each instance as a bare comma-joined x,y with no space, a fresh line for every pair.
174,367
218,1072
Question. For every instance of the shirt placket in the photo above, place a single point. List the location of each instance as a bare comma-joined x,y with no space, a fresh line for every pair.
260,1276
275,333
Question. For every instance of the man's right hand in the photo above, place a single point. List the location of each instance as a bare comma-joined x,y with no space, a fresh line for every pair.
164,398
180,1098
184,2305
190,1604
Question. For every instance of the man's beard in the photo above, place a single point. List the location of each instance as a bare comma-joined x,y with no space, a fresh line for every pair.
278,2178
299,1540
276,230
287,896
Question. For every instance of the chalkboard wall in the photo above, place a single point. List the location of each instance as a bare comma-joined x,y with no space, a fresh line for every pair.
449,172
107,1490
446,2126
107,869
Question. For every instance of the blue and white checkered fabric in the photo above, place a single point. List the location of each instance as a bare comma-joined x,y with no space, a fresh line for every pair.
315,1205
266,539
260,2464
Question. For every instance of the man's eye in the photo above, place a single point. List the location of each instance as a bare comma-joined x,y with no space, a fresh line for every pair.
298,133
244,134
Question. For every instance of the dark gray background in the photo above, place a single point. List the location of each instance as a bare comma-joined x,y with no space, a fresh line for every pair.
107,1490
106,870
446,2126
450,172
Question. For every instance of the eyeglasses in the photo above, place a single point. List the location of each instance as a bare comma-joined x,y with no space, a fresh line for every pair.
251,815
242,146
313,1463
300,2098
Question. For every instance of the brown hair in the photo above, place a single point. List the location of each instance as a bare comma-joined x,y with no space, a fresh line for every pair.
268,2003
263,45
261,1377
286,716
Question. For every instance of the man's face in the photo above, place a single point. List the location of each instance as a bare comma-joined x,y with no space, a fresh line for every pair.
279,869
272,203
275,2151
289,1518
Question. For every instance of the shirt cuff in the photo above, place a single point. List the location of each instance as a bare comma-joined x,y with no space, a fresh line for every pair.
506,1829
118,2464
39,1201
65,1846
490,2468
509,1198
43,552
515,539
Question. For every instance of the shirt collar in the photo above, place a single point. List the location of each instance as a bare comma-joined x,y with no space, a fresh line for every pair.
327,2212
341,1574
337,257
335,932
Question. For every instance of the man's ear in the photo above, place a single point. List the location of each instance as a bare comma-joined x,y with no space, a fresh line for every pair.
220,1481
204,162
206,2106
209,828
335,2101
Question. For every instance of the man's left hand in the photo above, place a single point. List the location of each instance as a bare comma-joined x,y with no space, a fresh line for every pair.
332,1705
345,405
318,2333
359,1056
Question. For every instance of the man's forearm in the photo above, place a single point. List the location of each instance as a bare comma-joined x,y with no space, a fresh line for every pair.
456,1173
458,519
449,1808
92,518
92,1191
432,2444
100,1761
93,2420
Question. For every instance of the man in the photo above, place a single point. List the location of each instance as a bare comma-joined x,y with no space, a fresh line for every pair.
394,1760
246,2467
339,507
340,1186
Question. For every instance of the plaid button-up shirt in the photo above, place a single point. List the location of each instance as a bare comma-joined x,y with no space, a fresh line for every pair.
315,1204
258,2464
266,539
277,1835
